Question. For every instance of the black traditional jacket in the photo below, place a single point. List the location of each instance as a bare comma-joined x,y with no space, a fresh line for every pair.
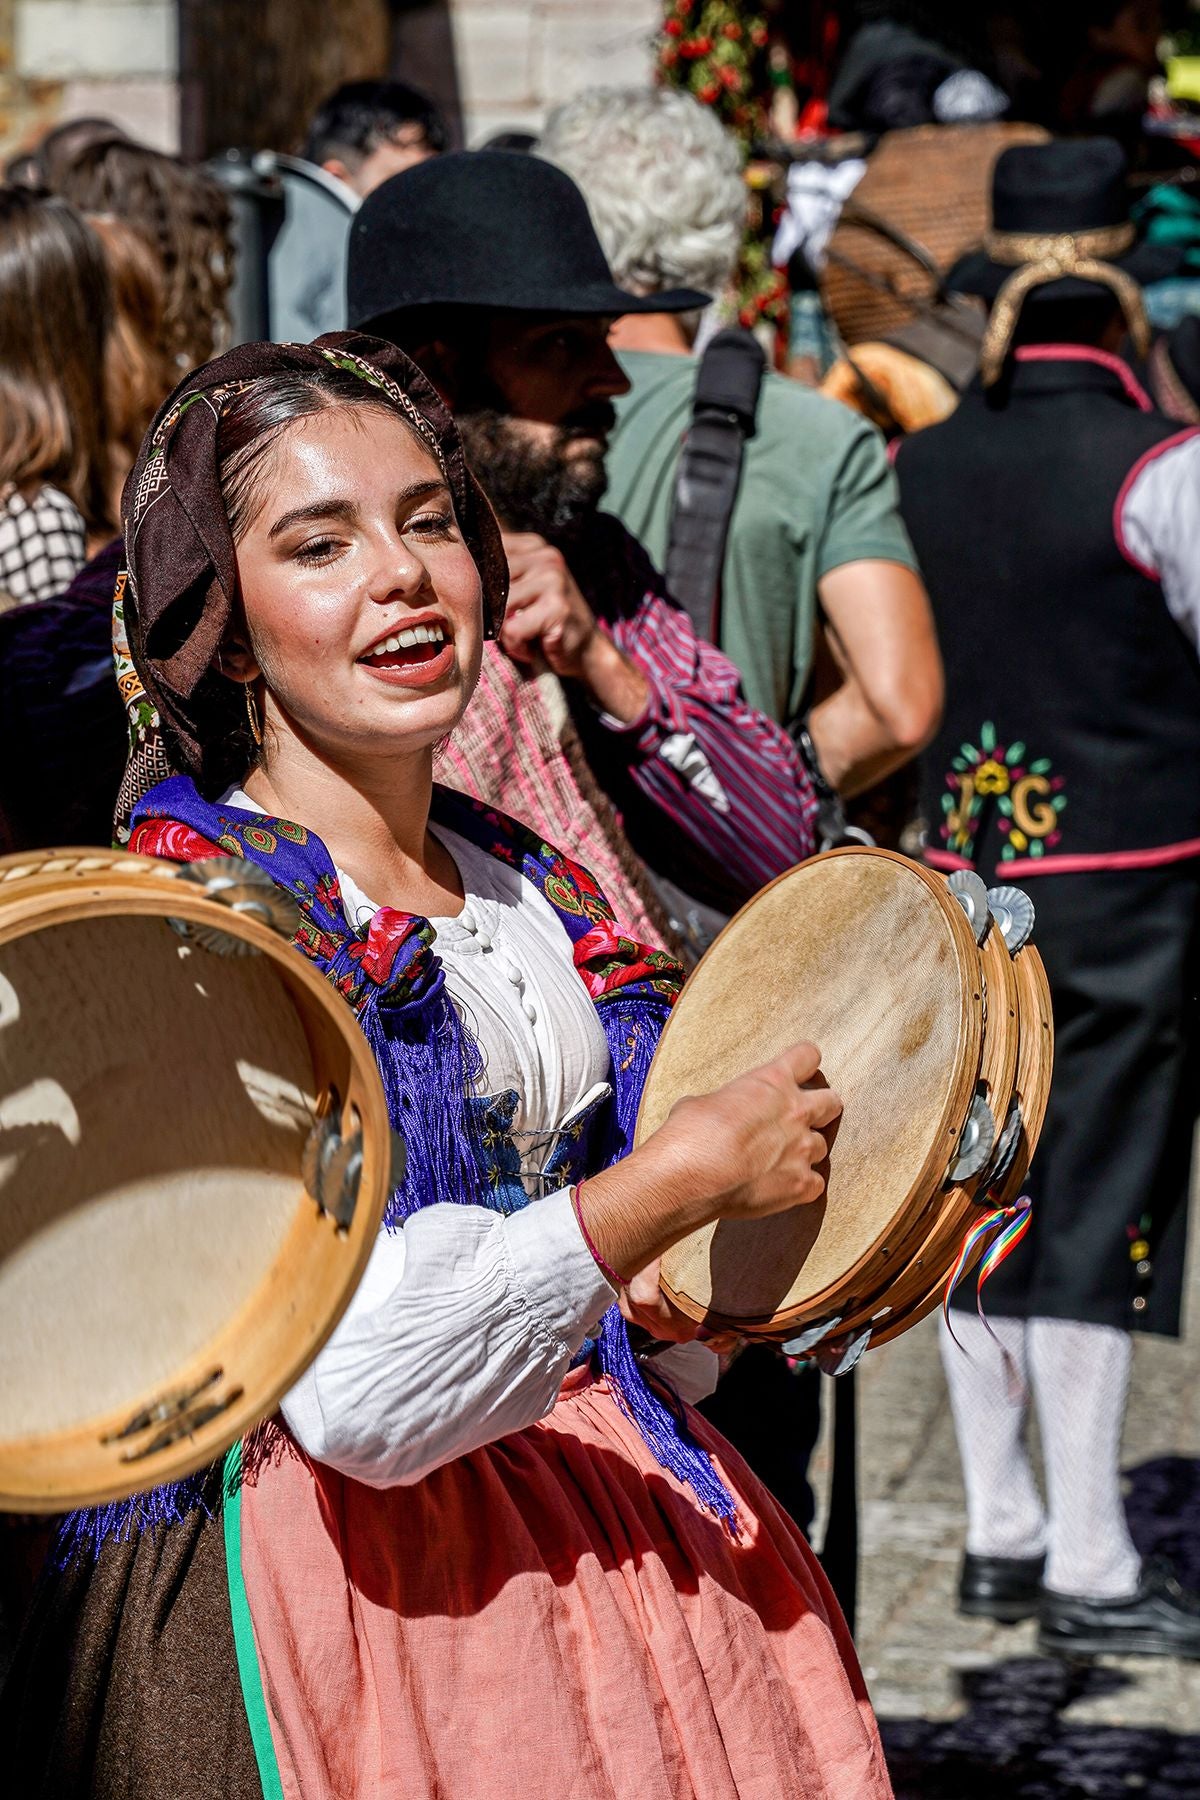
1071,737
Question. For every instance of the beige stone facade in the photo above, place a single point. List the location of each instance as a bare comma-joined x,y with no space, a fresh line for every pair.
504,61
515,61
115,58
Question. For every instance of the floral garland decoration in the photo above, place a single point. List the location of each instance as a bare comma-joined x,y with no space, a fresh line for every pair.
720,53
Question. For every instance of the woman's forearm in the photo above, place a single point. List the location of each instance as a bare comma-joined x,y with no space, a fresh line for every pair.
642,1205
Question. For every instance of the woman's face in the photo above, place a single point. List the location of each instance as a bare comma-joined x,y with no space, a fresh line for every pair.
363,605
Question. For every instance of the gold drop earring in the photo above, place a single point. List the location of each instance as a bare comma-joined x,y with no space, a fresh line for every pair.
252,713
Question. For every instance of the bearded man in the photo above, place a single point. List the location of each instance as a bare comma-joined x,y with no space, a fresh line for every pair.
486,268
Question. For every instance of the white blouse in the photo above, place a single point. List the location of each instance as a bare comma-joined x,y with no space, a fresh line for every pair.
510,973
466,1321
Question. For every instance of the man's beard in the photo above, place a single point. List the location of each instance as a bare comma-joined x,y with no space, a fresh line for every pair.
538,486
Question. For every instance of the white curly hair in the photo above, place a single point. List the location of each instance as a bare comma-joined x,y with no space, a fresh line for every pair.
663,182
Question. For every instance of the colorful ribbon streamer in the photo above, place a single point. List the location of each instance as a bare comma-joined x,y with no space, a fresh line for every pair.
1007,1226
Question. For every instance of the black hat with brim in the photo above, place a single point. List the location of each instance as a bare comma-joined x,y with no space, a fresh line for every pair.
1074,185
485,228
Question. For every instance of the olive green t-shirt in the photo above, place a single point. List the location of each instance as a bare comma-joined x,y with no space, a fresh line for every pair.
816,492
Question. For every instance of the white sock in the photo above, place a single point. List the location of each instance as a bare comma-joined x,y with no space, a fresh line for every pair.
1005,1515
1080,1378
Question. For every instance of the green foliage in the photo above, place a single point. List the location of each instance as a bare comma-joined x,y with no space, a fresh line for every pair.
718,51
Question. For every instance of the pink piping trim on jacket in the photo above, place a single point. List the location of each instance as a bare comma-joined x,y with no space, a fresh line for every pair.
1144,461
946,859
1087,353
1156,858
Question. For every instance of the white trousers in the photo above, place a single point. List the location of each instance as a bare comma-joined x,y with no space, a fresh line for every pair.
1078,1377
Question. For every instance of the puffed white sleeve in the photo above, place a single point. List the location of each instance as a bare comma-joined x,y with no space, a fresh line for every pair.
1158,528
460,1332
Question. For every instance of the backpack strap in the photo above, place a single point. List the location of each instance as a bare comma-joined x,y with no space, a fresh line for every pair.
724,410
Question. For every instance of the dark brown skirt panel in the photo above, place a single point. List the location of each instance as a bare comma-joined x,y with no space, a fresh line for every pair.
125,1684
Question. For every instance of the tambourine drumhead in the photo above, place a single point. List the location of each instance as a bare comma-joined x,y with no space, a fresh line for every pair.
865,954
164,1275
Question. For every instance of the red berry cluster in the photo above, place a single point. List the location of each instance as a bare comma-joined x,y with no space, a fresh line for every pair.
715,49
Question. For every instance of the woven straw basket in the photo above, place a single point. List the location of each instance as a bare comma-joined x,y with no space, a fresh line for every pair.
933,183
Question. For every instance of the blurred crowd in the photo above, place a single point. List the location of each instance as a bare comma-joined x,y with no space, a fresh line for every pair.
827,565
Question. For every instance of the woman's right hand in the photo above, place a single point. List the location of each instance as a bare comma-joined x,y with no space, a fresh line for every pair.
753,1147
758,1144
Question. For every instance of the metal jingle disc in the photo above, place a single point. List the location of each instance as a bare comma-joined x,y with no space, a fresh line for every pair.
972,896
1006,1146
1014,914
975,1144
843,1354
332,1169
804,1341
244,888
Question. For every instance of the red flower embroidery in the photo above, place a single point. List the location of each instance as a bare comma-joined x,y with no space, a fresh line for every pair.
605,960
387,935
171,840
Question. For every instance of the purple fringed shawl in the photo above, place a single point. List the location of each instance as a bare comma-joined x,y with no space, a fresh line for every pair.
391,976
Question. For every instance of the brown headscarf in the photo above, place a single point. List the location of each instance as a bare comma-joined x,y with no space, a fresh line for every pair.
175,604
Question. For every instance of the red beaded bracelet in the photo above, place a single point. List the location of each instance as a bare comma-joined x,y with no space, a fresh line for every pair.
609,1273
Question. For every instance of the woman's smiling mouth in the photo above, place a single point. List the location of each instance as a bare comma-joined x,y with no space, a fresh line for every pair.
412,656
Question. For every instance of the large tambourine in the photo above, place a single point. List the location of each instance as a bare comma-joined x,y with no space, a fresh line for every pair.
194,1162
932,1014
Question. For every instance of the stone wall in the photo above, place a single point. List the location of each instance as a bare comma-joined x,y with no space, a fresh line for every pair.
515,61
256,82
495,63
115,58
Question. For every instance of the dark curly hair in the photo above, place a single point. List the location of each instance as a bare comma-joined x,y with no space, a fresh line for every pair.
360,116
185,215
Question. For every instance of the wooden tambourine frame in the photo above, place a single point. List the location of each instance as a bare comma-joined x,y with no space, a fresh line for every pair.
927,1245
238,1377
926,1279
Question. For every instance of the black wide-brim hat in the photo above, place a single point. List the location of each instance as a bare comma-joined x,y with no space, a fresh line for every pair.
1071,185
486,228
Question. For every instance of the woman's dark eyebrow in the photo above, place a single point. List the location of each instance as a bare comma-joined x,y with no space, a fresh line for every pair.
346,511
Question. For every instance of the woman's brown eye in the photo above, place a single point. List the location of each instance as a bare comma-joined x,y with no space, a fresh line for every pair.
320,550
433,524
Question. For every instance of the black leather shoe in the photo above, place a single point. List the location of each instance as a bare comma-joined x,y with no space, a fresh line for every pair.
1161,1619
1004,1588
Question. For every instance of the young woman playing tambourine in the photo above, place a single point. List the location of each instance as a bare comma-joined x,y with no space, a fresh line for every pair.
482,1550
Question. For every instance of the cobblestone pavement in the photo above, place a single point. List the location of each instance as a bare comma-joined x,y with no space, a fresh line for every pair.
969,1710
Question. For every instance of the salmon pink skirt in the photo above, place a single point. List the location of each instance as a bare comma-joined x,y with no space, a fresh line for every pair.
549,1618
